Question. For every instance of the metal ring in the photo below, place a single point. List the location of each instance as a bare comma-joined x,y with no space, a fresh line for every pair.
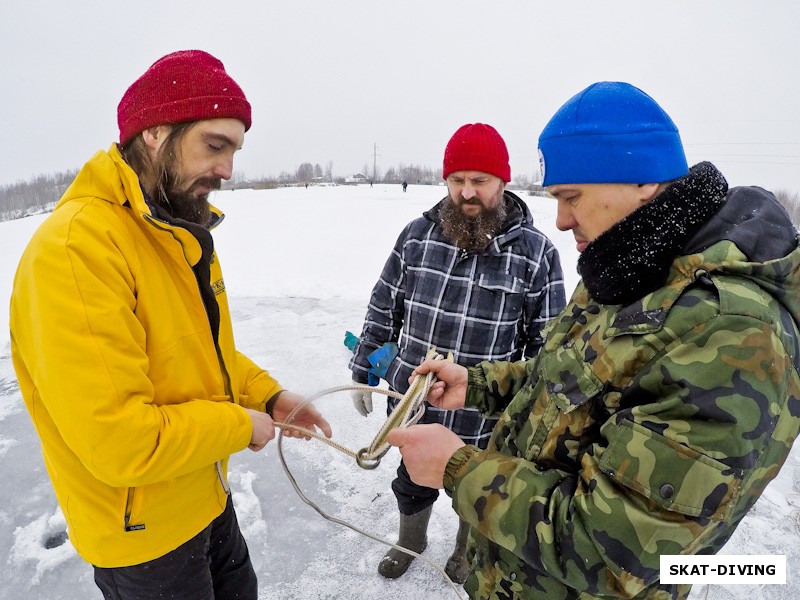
366,463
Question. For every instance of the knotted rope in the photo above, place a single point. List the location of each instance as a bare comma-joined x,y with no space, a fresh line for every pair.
408,412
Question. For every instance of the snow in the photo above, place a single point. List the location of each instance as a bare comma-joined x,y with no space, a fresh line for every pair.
299,266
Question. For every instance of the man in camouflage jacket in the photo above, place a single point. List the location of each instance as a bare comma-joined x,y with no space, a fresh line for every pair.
666,396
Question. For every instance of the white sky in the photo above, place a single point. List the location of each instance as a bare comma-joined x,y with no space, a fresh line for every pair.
327,80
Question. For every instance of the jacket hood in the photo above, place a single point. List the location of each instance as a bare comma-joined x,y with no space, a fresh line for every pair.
107,177
699,222
754,220
752,236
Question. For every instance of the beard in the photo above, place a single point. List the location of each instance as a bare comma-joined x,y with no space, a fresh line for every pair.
184,202
471,233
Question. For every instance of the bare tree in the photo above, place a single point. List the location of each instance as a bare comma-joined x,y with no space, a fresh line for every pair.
521,182
791,202
305,172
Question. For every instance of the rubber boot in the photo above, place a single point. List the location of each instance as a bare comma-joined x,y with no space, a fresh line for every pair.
457,567
413,536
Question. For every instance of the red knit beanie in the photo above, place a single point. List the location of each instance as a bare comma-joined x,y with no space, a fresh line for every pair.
183,86
477,147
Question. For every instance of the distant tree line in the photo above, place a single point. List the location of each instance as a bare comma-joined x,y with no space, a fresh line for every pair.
42,192
308,173
39,194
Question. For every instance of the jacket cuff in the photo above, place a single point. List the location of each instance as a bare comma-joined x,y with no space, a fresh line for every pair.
476,386
457,467
360,377
271,402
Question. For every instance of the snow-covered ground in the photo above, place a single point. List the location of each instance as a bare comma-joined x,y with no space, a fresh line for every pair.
299,265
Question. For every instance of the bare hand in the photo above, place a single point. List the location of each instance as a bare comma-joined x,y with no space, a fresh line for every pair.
450,391
307,417
426,449
263,429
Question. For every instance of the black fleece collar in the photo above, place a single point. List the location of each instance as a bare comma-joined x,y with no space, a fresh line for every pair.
633,257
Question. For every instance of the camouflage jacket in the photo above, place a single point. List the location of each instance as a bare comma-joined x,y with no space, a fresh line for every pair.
650,422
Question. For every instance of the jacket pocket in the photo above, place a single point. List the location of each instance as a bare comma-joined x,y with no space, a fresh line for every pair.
569,379
501,282
672,475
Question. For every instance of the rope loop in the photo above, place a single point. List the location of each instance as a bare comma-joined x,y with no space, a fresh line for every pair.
408,411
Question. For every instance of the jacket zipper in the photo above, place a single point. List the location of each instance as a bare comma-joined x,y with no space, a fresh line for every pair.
128,510
226,376
224,370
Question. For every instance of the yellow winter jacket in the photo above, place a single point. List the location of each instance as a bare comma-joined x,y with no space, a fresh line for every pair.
136,408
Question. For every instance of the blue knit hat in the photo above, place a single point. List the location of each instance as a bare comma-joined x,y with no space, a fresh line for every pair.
611,132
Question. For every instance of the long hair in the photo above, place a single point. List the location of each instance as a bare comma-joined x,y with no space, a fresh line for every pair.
154,174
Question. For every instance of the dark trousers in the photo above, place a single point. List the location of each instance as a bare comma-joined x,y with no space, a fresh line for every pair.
472,427
213,565
412,498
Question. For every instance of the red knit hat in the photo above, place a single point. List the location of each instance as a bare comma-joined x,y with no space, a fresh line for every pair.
183,86
477,147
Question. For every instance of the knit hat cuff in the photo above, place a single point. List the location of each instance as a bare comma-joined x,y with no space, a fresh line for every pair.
198,107
477,161
639,157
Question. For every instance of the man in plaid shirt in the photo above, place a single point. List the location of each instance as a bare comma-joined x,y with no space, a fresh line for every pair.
474,277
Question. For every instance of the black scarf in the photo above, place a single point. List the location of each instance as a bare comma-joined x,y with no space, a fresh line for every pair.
633,257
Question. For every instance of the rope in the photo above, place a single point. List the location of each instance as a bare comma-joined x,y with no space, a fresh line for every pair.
283,425
408,412
286,425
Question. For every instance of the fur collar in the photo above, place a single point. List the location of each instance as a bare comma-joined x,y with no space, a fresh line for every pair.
633,257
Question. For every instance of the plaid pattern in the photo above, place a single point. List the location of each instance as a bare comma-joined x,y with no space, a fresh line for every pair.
490,305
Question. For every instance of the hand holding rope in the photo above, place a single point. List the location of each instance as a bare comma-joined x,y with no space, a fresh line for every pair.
408,412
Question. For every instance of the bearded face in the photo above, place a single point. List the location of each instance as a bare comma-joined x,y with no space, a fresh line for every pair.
187,200
184,198
180,165
469,224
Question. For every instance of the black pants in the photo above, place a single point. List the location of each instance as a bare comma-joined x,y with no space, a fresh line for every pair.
213,565
470,426
412,498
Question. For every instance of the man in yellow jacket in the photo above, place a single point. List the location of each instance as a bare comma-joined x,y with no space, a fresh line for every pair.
123,347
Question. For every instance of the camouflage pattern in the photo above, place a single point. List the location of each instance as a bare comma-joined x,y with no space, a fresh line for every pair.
640,430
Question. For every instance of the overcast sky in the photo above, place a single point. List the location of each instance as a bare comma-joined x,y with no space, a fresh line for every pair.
329,80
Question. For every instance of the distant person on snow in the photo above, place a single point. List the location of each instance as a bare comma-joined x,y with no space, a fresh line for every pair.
471,276
122,343
405,185
667,393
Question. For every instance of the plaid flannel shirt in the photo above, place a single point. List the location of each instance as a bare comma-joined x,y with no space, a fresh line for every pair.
490,305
